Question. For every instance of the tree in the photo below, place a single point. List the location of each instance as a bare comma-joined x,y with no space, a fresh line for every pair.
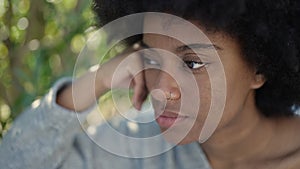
39,43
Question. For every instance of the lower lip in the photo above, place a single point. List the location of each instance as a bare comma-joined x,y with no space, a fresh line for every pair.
167,122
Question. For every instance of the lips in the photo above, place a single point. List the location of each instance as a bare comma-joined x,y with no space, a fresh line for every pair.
164,115
168,119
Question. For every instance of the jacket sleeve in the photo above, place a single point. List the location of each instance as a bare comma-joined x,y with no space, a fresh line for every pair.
43,135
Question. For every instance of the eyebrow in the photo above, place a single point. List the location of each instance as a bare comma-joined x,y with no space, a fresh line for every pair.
193,46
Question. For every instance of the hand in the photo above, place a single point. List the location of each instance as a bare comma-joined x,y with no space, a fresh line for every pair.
124,71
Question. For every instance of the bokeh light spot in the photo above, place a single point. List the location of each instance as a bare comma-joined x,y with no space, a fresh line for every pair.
69,4
3,7
5,113
23,23
15,34
55,63
77,43
4,32
3,51
34,44
24,6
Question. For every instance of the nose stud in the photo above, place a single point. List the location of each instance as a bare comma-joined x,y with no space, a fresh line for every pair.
170,96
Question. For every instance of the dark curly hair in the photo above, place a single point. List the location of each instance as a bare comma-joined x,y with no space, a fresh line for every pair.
267,30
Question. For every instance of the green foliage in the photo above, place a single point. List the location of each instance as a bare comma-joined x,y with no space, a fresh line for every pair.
39,43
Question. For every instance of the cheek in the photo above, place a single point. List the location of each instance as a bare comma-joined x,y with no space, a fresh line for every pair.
205,99
238,79
204,88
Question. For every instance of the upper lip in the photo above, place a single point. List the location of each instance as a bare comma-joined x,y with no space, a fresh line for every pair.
165,111
170,114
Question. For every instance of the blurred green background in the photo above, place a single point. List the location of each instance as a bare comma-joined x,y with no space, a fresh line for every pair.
39,43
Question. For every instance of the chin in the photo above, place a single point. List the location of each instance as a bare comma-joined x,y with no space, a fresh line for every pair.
174,137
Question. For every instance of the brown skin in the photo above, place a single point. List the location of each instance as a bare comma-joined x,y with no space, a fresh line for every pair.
244,138
88,88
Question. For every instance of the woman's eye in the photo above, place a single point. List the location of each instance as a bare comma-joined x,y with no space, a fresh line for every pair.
194,64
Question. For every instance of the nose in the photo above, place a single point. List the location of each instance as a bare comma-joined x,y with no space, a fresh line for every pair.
168,87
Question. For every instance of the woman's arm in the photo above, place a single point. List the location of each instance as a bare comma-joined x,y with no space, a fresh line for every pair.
43,136
125,69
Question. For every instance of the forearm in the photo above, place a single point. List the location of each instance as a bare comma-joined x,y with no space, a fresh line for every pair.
83,92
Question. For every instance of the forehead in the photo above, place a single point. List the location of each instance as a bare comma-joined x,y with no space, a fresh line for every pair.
171,32
174,27
178,30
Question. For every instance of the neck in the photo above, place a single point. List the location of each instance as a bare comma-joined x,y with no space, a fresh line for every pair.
244,139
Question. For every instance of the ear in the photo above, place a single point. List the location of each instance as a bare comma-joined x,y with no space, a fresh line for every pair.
258,81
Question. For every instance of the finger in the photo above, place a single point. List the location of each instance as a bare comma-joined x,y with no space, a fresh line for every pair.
140,91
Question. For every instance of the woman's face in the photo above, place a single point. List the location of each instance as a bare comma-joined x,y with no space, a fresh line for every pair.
177,76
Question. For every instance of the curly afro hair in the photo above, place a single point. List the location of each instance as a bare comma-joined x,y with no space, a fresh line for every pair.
268,31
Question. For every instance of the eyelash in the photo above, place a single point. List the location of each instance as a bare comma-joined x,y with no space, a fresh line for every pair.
186,63
200,64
